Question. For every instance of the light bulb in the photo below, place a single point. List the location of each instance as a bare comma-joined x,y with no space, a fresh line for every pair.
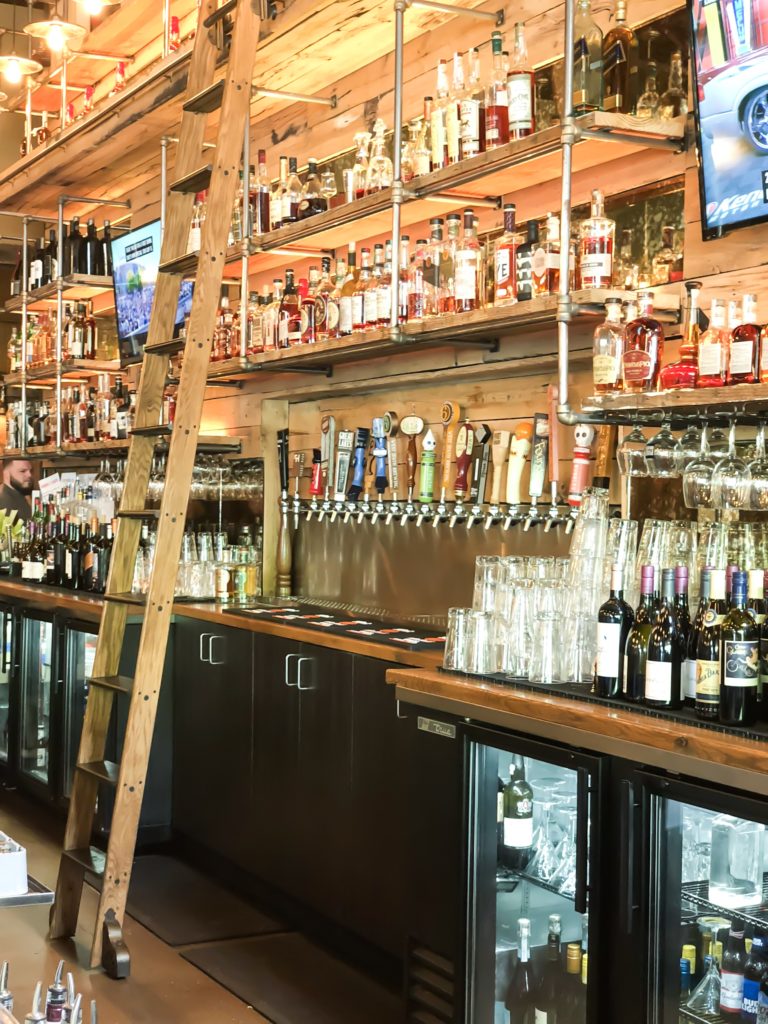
55,39
12,72
93,7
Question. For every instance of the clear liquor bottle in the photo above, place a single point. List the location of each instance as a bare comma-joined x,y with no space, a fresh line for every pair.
453,110
588,61
384,290
607,349
596,239
271,317
324,327
448,264
312,199
291,197
648,101
276,198
505,261
438,119
423,149
416,285
674,100
346,293
260,197
334,300
713,349
371,297
643,348
358,294
289,318
621,52
432,257
467,274
743,361
473,110
497,99
403,280
521,91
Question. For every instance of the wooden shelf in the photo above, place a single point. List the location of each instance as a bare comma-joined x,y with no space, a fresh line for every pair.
71,369
213,444
77,288
739,398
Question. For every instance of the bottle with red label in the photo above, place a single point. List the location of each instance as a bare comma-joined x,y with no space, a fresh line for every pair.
643,348
596,240
497,99
713,348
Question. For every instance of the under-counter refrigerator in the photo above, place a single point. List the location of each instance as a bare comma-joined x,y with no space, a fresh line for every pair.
78,650
7,623
38,702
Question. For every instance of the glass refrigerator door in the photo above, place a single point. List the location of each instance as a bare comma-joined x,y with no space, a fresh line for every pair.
533,809
36,694
79,652
708,921
6,640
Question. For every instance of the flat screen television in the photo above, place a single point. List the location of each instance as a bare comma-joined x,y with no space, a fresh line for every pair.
730,67
135,261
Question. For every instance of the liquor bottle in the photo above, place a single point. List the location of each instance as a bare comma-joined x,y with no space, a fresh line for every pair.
384,289
620,65
431,271
103,556
334,300
739,659
713,349
643,348
472,110
667,263
236,226
497,99
347,291
524,261
404,282
291,196
662,669
309,309
596,235
416,286
73,249
467,269
260,197
289,321
546,281
547,1000
574,994
88,549
674,100
614,621
682,611
684,373
648,100
732,971
36,266
688,678
754,968
588,61
438,119
743,361
325,287
607,349
358,294
276,196
453,110
636,650
312,199
51,259
520,89
71,574
271,318
423,150
370,299
92,251
505,261
521,993
518,817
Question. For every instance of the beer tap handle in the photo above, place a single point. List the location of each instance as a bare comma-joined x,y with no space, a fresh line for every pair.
282,459
499,453
538,466
427,475
327,451
519,450
483,435
391,431
465,439
380,452
358,463
584,435
316,481
607,436
450,416
344,458
284,561
554,458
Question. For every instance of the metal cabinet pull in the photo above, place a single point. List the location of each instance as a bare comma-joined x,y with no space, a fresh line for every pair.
582,841
211,661
203,638
397,710
627,904
302,662
288,659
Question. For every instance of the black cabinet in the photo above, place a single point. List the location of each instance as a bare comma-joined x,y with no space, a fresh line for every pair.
213,741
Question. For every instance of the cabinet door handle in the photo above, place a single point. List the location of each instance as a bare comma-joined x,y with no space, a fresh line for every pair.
302,662
288,659
211,661
397,710
582,841
203,638
627,807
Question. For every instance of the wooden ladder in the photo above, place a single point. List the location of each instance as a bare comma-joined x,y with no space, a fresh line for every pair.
194,173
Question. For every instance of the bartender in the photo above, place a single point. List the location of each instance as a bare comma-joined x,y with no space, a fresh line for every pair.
16,488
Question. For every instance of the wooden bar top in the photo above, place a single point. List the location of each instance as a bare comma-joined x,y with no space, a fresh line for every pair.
724,757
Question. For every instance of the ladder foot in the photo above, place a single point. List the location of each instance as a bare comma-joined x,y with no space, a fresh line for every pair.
115,957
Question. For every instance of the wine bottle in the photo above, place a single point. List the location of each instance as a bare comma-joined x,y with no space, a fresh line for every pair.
548,999
518,817
614,621
688,678
662,669
520,994
739,658
636,650
708,649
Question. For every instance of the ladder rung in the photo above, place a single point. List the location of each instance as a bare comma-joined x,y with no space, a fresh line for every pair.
207,100
225,9
156,430
183,265
120,684
139,513
104,771
195,182
126,598
166,348
91,859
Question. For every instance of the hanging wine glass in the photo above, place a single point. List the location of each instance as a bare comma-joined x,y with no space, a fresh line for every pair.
697,478
660,454
687,448
758,468
731,478
631,454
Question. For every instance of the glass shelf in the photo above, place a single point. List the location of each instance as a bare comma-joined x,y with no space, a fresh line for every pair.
696,894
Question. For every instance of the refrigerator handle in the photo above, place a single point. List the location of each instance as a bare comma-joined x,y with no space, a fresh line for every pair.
5,658
582,840
627,854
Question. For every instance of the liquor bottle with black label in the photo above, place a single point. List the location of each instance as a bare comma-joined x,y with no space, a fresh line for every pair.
614,621
518,817
524,261
708,650
662,669
739,658
636,650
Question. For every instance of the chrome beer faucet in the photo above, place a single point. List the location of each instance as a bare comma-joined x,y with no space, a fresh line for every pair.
426,478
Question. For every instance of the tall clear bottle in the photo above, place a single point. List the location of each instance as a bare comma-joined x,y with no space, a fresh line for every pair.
596,243
607,349
713,349
588,61
521,92
505,260
439,118
472,110
276,199
453,110
467,281
497,99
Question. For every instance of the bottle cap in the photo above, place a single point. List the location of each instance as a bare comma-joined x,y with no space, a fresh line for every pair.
739,584
573,958
689,954
617,578
647,578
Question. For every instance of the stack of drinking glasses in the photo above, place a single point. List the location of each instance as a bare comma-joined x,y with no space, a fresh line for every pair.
667,543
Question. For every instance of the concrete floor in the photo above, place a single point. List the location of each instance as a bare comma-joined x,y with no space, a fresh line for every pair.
163,988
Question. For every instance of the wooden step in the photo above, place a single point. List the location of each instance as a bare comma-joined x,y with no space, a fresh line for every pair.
207,100
91,859
119,684
156,430
126,598
225,9
166,348
194,182
184,265
104,771
139,513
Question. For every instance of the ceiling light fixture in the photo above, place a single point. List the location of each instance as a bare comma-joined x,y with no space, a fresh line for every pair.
59,36
14,68
94,8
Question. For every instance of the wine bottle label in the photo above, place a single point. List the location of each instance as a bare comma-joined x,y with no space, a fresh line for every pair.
605,369
466,276
540,1017
358,315
438,137
707,681
658,680
68,565
520,101
503,262
470,127
608,649
731,989
710,359
741,356
553,260
518,833
345,314
741,662
688,678
383,302
371,305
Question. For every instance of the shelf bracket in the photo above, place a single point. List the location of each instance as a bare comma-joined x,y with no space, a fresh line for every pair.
295,97
497,17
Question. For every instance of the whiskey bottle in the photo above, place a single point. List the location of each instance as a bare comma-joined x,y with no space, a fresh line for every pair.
596,237
588,61
607,350
312,199
432,257
467,279
384,289
448,264
520,89
524,261
289,317
334,300
744,355
453,110
472,110
438,119
309,308
674,101
713,349
505,261
416,285
684,373
358,294
643,348
497,99
260,197
276,197
347,291
371,296
291,197
620,65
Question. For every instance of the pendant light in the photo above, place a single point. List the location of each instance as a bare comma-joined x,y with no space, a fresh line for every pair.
12,67
59,36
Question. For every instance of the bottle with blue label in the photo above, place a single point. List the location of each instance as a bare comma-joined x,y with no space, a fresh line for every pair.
754,969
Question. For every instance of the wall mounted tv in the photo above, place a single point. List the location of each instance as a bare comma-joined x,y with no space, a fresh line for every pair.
135,261
730,66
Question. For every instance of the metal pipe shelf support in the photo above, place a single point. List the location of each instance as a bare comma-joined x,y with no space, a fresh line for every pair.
497,17
397,184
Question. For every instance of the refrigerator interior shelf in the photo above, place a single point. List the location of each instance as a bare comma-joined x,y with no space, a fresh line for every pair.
696,1018
509,880
697,895
37,893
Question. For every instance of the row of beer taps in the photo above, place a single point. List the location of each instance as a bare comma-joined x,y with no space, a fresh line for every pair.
355,474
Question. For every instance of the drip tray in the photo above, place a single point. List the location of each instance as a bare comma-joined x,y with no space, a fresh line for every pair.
311,605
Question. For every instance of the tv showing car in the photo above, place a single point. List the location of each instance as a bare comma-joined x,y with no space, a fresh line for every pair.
135,263
730,66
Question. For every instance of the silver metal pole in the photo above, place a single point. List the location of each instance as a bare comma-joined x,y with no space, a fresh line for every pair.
397,184
246,234
59,320
28,117
163,183
63,115
569,137
24,330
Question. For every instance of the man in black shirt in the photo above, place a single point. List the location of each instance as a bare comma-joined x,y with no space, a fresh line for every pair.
17,485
